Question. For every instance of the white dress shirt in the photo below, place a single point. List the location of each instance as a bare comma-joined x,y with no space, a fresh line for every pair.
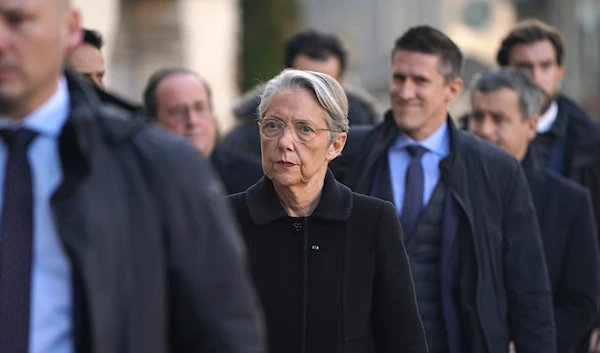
548,118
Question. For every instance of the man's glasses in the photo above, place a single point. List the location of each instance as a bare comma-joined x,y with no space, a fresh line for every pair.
181,113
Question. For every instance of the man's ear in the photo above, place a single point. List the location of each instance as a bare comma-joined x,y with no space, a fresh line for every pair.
561,72
74,31
336,146
532,127
454,88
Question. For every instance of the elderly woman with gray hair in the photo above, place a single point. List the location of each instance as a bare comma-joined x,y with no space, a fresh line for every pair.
329,265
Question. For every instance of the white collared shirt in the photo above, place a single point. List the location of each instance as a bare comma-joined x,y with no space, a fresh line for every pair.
548,118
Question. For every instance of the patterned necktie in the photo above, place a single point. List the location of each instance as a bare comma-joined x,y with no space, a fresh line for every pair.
16,238
413,191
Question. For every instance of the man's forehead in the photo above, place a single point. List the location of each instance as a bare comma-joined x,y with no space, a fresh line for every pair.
538,51
501,99
181,81
412,61
9,5
30,5
181,87
87,49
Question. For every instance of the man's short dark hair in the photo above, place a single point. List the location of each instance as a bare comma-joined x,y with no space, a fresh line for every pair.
315,45
528,32
93,38
150,105
428,40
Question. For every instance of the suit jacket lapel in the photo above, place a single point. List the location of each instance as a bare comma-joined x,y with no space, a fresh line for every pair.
382,140
382,183
535,178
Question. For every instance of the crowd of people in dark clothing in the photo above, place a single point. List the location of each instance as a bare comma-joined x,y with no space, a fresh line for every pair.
317,224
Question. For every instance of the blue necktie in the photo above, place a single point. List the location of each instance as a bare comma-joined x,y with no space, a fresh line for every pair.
16,240
413,191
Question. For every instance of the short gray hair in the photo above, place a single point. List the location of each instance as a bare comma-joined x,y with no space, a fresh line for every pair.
329,94
530,97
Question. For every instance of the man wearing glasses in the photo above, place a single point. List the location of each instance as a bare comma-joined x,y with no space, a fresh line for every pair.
180,101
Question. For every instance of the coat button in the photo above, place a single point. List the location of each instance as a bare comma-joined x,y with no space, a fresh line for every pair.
297,227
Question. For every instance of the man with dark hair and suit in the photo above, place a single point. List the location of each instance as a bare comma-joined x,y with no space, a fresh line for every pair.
568,141
86,59
312,51
180,100
506,106
113,236
468,217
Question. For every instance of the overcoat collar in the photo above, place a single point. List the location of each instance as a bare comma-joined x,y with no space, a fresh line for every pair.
265,207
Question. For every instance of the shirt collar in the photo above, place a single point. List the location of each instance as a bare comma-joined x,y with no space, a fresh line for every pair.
49,118
548,118
438,142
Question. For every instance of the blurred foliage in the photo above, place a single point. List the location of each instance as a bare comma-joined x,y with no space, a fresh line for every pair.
266,26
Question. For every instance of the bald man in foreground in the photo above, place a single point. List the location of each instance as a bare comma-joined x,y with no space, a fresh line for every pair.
114,236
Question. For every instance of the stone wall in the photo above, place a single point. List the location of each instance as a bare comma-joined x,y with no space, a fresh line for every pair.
144,35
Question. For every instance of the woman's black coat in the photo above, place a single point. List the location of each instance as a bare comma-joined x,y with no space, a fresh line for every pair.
336,281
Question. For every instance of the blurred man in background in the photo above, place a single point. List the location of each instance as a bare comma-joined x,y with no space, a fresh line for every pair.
180,101
86,59
506,106
568,141
313,51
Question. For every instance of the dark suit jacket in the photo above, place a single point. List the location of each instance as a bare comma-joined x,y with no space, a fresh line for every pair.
342,165
579,148
580,137
158,265
503,288
568,232
237,171
336,281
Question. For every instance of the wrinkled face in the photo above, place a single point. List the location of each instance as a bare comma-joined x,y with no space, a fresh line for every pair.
298,153
330,66
35,36
87,60
183,106
419,94
497,118
538,60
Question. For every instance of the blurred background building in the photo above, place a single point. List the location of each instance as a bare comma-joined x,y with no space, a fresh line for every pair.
236,44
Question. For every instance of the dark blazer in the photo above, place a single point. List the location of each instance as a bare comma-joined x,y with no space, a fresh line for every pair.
568,231
336,281
342,165
237,171
581,136
157,264
495,284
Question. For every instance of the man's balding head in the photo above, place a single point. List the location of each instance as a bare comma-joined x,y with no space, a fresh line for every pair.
35,38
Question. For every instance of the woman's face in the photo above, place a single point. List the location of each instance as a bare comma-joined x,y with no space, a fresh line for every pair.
295,139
